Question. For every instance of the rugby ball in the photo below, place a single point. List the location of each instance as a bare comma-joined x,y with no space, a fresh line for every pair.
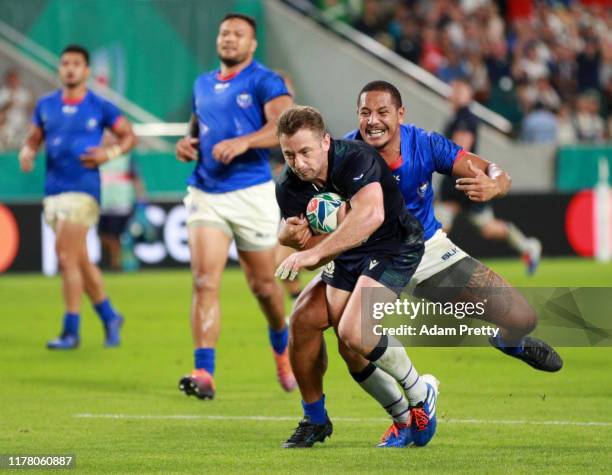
322,212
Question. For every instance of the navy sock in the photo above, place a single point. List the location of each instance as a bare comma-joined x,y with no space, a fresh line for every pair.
315,411
279,339
516,349
205,359
71,323
105,310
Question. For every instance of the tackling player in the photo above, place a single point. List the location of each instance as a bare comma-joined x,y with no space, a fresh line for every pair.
231,195
71,122
378,245
414,155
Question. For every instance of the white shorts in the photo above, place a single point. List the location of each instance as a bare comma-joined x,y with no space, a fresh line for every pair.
249,215
440,253
78,208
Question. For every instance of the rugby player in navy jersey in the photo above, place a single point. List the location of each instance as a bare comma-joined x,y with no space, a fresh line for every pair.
71,122
231,195
413,155
378,245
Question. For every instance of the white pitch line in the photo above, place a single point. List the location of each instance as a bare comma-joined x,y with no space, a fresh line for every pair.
338,419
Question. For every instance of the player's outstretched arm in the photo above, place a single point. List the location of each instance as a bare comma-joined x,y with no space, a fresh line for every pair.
31,144
480,179
126,141
226,150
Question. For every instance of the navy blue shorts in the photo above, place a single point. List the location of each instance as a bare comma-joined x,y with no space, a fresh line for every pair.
113,224
394,271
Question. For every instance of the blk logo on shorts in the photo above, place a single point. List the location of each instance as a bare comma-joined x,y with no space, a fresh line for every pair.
329,269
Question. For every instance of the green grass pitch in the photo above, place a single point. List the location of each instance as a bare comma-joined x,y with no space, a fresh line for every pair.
496,414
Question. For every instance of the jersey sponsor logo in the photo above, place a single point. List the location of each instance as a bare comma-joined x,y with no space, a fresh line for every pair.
244,100
92,123
422,189
221,86
329,269
447,255
373,263
68,109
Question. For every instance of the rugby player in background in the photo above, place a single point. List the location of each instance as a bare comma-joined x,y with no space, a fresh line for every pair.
462,129
413,156
231,195
71,121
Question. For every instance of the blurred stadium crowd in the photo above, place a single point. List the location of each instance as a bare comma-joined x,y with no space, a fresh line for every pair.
544,65
16,105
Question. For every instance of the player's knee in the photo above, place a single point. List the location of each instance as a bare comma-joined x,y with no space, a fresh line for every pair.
263,289
349,337
205,283
305,317
65,258
492,230
528,321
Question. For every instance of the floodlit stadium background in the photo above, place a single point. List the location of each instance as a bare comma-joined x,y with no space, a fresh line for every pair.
145,56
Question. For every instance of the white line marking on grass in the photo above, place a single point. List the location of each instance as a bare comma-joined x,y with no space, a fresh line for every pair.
338,419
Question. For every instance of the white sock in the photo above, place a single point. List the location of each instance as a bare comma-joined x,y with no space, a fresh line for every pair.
516,239
385,390
390,356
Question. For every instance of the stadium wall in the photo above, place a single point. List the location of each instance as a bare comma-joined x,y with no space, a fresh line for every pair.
328,72
27,244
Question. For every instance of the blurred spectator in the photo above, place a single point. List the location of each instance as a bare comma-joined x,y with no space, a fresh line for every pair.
431,52
15,108
477,72
566,132
542,91
588,62
408,43
589,125
539,125
532,66
371,21
498,63
452,67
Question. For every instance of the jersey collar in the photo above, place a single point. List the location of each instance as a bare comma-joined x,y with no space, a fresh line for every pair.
231,76
75,101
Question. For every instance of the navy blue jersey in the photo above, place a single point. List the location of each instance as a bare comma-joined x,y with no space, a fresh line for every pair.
422,154
70,128
231,107
351,166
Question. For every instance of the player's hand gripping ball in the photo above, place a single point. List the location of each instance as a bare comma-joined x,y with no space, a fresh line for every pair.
322,212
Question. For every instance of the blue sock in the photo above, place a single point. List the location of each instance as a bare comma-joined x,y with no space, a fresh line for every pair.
279,339
205,359
315,411
511,350
71,323
105,310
